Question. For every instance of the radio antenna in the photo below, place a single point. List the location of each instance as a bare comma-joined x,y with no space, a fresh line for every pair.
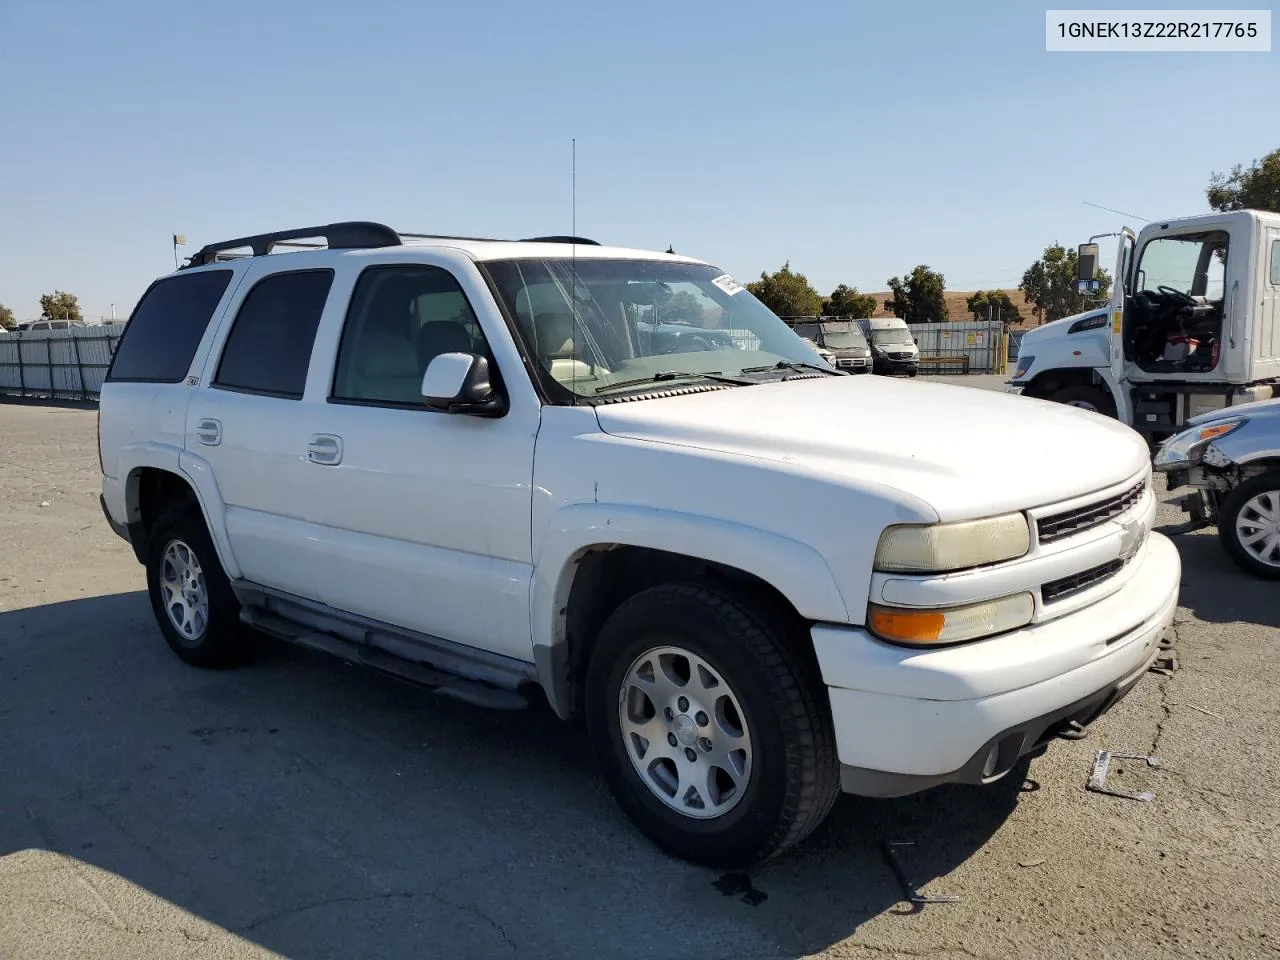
573,253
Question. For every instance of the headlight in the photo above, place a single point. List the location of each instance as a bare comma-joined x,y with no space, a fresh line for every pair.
950,624
1024,364
1186,448
952,546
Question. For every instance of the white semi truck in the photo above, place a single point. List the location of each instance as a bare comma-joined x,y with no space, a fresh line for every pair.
1193,325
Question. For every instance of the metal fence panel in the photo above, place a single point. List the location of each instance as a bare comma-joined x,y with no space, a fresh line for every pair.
61,364
966,346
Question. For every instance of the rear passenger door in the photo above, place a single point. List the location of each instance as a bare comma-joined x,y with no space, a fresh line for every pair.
245,424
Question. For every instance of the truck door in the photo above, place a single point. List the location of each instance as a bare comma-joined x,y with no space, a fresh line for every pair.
1119,292
1267,356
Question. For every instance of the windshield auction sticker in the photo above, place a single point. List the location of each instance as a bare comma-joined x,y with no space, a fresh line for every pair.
1167,31
728,284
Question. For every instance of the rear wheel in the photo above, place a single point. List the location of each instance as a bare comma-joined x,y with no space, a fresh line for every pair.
713,738
1086,398
190,594
1249,525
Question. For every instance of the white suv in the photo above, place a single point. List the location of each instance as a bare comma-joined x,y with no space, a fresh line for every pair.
474,464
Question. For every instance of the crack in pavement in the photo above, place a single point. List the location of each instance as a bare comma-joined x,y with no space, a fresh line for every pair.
393,895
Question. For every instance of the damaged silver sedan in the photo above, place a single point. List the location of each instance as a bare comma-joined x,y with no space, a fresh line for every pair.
1231,461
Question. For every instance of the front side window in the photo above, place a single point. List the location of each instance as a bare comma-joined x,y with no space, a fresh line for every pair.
401,317
594,325
268,349
1191,265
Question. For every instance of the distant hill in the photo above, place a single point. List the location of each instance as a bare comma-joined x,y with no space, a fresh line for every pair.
956,309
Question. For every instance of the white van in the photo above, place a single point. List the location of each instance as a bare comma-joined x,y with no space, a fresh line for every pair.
893,348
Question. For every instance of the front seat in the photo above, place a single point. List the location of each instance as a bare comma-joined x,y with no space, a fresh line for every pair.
442,336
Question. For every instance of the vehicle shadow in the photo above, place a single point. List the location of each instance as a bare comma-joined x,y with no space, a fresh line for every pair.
324,811
1218,591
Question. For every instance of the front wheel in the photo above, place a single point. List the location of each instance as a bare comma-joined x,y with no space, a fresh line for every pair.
715,740
1249,525
1086,398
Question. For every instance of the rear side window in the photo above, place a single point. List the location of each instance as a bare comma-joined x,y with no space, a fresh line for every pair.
1275,263
164,331
269,347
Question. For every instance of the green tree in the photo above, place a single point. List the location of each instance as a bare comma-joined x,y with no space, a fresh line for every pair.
1050,285
60,305
846,301
7,319
1255,188
787,293
993,305
919,297
682,307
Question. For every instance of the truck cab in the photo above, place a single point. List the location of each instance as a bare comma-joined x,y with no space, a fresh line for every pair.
1191,325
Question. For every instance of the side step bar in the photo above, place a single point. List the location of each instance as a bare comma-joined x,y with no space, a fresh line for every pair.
437,681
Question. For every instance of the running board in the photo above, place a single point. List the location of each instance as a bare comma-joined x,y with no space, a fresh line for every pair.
437,681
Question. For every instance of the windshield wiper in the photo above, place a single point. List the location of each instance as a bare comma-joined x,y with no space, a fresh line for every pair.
664,375
792,365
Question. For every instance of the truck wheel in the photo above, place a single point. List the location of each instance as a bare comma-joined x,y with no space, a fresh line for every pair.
1086,398
191,596
713,738
1249,525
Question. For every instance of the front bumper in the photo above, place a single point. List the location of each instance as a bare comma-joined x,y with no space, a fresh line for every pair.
908,719
1014,388
891,365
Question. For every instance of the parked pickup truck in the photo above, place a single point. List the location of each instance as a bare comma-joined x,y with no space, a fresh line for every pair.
452,460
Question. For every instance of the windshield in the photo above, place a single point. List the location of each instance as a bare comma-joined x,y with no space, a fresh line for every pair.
891,335
845,338
592,324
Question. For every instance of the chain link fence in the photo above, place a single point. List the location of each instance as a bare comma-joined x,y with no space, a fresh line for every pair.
57,364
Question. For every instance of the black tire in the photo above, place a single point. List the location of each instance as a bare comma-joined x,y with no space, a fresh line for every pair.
795,774
1080,396
1232,507
912,373
222,641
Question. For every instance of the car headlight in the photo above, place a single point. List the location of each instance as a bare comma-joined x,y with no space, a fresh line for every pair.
945,625
1186,448
1024,364
940,547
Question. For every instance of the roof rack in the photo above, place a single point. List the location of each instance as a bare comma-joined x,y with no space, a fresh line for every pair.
344,235
561,239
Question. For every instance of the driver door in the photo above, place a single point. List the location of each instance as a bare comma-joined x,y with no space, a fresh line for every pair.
1119,295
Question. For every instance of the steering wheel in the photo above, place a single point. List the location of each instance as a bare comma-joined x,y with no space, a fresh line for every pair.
1183,298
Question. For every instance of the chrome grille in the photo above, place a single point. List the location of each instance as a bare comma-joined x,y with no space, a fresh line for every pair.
1079,582
1070,522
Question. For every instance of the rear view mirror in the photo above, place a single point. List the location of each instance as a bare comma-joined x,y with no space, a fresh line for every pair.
460,383
1087,263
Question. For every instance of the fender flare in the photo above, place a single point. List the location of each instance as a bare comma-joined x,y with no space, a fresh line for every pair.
198,475
796,570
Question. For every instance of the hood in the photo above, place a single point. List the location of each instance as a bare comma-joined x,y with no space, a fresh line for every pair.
1059,327
964,451
1257,410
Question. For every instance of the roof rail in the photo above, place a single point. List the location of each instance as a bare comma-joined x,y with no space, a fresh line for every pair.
345,235
561,239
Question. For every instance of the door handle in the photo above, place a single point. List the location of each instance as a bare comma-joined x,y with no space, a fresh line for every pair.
325,449
209,432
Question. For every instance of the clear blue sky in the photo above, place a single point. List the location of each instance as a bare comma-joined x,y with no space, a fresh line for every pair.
855,140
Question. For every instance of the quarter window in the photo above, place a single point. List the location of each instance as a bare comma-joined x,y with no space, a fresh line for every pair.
268,349
401,317
166,327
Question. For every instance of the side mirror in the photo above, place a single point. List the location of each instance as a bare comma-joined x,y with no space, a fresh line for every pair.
1087,263
459,383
